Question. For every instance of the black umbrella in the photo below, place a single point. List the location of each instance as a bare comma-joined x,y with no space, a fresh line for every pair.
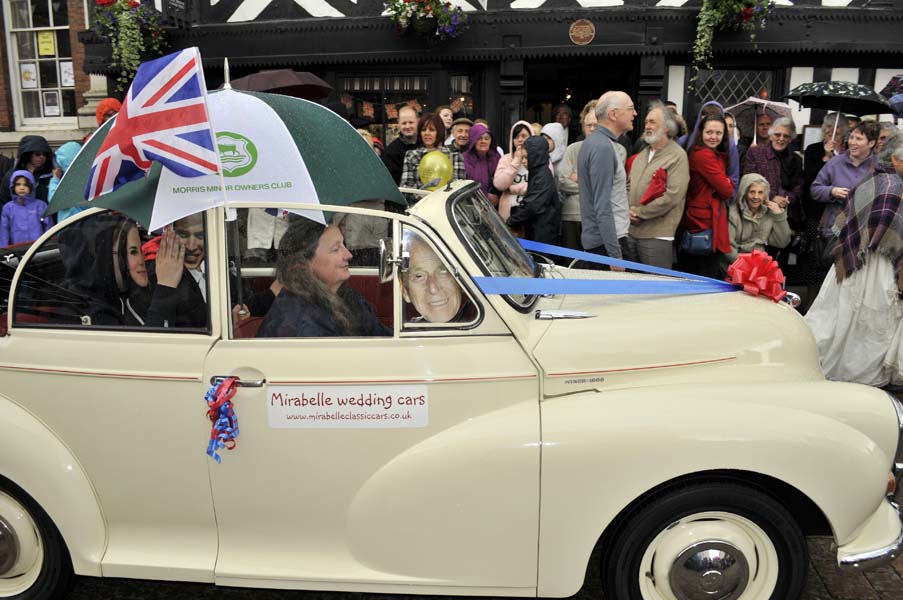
840,96
300,84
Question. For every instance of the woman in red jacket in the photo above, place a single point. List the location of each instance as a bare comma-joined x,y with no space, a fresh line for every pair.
708,195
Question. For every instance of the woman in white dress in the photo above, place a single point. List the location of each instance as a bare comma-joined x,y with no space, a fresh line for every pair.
857,318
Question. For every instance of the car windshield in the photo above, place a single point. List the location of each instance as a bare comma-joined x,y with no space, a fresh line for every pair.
491,243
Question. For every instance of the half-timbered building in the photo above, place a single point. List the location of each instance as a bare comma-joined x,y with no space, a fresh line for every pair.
517,59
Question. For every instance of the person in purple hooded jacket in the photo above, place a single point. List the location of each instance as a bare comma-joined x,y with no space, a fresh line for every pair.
481,160
22,219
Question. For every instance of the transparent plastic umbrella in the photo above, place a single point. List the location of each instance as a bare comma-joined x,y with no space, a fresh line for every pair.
747,112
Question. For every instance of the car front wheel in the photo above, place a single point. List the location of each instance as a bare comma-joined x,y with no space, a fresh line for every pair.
709,541
34,562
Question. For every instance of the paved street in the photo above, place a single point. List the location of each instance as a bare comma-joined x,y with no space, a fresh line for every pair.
825,583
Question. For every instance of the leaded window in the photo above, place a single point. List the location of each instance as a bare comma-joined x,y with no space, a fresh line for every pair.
732,86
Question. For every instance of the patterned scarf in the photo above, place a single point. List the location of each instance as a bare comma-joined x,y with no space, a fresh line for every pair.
871,222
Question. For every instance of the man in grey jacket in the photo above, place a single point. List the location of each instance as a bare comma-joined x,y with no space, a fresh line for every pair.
598,170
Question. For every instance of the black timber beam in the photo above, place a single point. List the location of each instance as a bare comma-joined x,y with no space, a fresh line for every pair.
795,35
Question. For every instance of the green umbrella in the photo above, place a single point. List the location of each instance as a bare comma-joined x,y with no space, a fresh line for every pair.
273,149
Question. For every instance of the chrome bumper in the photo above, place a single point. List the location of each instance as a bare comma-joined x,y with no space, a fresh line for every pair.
878,557
861,559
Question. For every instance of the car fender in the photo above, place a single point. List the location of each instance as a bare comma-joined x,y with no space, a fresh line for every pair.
34,459
602,451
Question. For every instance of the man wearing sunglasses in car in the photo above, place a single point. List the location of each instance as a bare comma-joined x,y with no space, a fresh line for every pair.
34,155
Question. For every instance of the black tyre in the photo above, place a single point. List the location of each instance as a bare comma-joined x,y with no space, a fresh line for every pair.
34,562
718,540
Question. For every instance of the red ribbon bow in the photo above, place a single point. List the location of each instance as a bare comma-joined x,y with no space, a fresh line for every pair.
759,274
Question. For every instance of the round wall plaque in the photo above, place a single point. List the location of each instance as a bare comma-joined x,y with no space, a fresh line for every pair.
582,32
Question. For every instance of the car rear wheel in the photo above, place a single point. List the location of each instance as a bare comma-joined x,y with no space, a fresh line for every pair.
34,562
710,541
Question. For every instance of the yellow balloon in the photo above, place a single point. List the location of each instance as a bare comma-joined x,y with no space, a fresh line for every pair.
435,170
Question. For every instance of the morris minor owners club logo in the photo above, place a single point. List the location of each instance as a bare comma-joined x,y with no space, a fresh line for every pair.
237,153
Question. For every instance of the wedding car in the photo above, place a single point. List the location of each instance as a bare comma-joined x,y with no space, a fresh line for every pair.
682,444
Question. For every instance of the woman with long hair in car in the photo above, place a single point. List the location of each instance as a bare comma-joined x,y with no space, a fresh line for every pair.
313,266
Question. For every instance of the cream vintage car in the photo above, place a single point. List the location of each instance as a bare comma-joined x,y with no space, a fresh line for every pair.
692,439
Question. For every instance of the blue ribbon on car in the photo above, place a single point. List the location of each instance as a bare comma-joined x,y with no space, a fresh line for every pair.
687,283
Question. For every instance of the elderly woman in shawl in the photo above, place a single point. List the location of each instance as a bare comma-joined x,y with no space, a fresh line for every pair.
857,318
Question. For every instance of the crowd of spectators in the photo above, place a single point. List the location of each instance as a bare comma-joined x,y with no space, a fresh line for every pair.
672,198
697,197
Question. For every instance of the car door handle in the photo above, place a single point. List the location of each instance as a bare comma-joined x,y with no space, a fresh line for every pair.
239,382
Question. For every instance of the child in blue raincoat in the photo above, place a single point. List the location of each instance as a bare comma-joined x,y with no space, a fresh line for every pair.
22,219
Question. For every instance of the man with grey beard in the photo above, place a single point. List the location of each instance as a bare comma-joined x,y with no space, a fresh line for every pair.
654,223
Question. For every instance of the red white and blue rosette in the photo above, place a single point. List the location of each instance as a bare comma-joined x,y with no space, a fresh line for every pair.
221,413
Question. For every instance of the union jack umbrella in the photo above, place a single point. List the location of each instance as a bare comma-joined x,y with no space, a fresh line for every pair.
163,118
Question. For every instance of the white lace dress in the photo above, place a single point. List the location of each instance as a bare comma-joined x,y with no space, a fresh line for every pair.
858,325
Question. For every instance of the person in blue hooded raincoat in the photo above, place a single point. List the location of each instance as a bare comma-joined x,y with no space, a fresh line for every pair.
22,219
64,157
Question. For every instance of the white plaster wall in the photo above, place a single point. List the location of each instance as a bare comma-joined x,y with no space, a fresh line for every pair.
845,74
799,76
676,84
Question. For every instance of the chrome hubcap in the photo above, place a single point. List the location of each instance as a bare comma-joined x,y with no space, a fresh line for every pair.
9,547
21,550
709,570
709,555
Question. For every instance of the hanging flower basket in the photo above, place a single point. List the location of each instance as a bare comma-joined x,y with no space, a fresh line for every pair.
134,31
747,15
427,18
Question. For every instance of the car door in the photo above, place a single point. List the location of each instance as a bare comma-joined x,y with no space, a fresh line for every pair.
405,462
127,402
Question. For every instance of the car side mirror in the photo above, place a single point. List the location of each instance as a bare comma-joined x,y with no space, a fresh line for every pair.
541,259
387,260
